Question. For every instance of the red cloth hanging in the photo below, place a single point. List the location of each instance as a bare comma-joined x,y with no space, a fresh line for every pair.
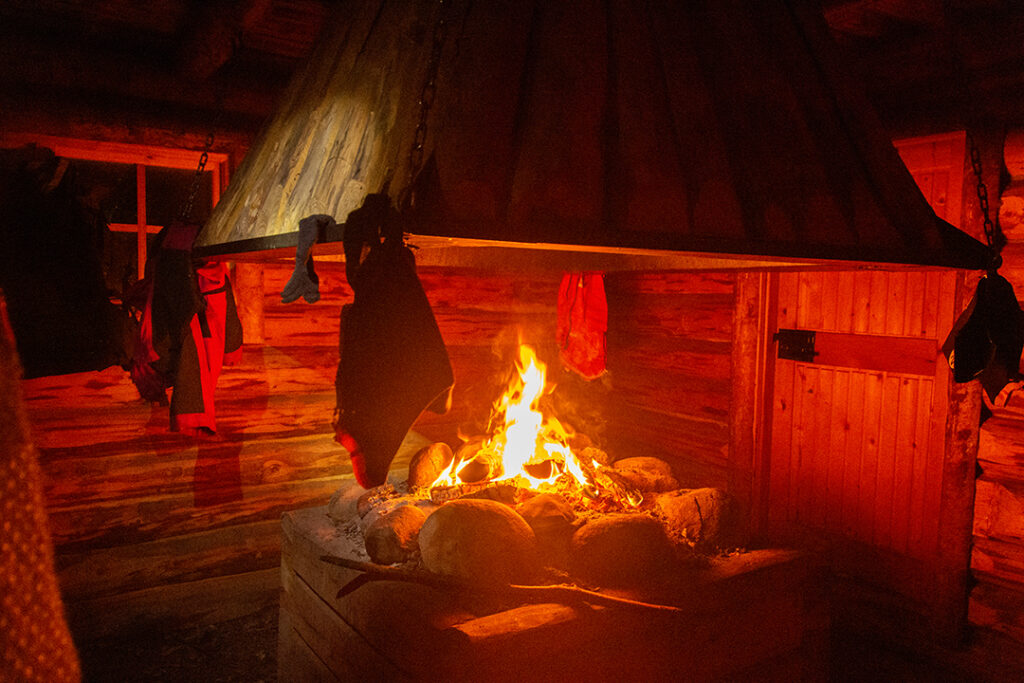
214,340
582,323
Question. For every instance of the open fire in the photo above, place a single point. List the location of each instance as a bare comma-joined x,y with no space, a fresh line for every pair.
530,449
532,500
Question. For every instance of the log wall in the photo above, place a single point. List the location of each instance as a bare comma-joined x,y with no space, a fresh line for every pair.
154,527
669,354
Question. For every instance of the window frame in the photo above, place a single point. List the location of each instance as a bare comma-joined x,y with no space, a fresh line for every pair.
142,157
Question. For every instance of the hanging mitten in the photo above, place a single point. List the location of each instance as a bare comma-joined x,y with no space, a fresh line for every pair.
304,281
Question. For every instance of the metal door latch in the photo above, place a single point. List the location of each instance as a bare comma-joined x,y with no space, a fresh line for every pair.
796,345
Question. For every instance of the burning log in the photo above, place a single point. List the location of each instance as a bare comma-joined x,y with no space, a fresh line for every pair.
503,492
428,464
443,494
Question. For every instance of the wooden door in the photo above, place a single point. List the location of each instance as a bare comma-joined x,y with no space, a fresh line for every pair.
860,463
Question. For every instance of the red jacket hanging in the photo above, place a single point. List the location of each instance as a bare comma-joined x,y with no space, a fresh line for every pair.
189,329
214,339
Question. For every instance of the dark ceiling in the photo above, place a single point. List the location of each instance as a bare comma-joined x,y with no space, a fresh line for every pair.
195,65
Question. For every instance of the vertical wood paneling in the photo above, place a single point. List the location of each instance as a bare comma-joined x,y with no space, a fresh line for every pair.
872,408
788,300
933,466
890,410
918,486
801,425
864,468
945,311
896,304
933,290
809,309
878,298
783,405
838,431
861,312
853,454
904,463
914,321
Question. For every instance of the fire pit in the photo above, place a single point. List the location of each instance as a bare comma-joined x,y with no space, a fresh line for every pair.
526,550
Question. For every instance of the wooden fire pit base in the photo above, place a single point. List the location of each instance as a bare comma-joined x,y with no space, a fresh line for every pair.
759,615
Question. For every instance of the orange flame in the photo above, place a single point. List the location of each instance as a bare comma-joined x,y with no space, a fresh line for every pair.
524,439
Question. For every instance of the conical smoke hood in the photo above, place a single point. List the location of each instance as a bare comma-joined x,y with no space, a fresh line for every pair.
723,126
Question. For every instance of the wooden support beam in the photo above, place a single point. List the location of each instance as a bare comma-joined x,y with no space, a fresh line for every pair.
113,152
249,291
140,194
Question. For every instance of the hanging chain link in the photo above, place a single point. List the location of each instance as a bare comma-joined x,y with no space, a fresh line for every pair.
426,101
993,236
186,211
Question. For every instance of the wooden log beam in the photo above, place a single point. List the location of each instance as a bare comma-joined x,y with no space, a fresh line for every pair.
213,36
249,290
77,70
45,111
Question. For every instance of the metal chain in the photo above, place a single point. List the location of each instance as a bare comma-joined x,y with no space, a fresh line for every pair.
994,237
186,211
991,234
426,101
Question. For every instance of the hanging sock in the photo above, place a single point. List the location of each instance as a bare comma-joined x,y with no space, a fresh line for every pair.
582,323
304,281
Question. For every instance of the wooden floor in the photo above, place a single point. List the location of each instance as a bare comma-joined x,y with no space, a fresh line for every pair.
148,523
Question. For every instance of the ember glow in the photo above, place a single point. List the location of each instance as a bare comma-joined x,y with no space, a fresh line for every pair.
527,446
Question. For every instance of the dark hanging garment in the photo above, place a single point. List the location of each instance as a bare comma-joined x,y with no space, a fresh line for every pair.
189,330
393,362
169,298
987,339
214,339
51,271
